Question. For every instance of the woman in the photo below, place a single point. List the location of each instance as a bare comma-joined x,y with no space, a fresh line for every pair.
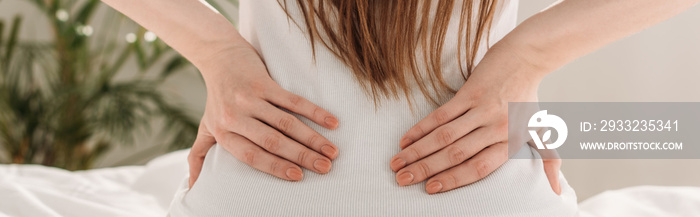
380,89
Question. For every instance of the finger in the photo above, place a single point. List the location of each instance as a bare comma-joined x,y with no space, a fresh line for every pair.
251,154
276,143
453,155
551,169
304,107
297,130
436,140
199,150
472,170
445,113
551,163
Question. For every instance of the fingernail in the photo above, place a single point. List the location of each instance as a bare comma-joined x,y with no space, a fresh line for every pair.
434,187
331,121
329,151
397,164
294,174
322,165
405,178
404,142
559,192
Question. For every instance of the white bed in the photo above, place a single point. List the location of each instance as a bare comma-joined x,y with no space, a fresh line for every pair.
30,190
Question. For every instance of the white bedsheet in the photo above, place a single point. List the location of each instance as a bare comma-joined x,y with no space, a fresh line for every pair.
31,190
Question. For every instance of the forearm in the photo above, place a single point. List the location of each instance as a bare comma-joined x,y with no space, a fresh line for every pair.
191,27
573,28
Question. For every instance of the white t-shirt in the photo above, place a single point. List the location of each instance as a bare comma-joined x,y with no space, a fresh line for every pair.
361,182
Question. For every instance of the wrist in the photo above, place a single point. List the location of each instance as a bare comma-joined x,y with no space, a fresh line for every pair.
504,76
220,59
522,58
505,63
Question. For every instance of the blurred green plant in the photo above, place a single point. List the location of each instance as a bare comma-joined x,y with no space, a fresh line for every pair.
65,102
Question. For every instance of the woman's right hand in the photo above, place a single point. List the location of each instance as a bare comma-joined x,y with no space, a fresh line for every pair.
242,116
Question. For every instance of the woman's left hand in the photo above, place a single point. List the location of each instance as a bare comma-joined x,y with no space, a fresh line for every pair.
466,139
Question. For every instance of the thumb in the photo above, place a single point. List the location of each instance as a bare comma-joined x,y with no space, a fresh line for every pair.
199,150
551,169
551,163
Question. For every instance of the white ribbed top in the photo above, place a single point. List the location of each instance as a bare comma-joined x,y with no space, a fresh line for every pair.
361,182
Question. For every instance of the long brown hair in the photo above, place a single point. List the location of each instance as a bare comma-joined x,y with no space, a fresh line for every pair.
378,40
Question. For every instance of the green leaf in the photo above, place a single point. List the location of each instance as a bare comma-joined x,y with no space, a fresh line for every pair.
86,12
181,126
156,54
173,65
140,54
55,4
114,69
2,32
12,41
7,121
